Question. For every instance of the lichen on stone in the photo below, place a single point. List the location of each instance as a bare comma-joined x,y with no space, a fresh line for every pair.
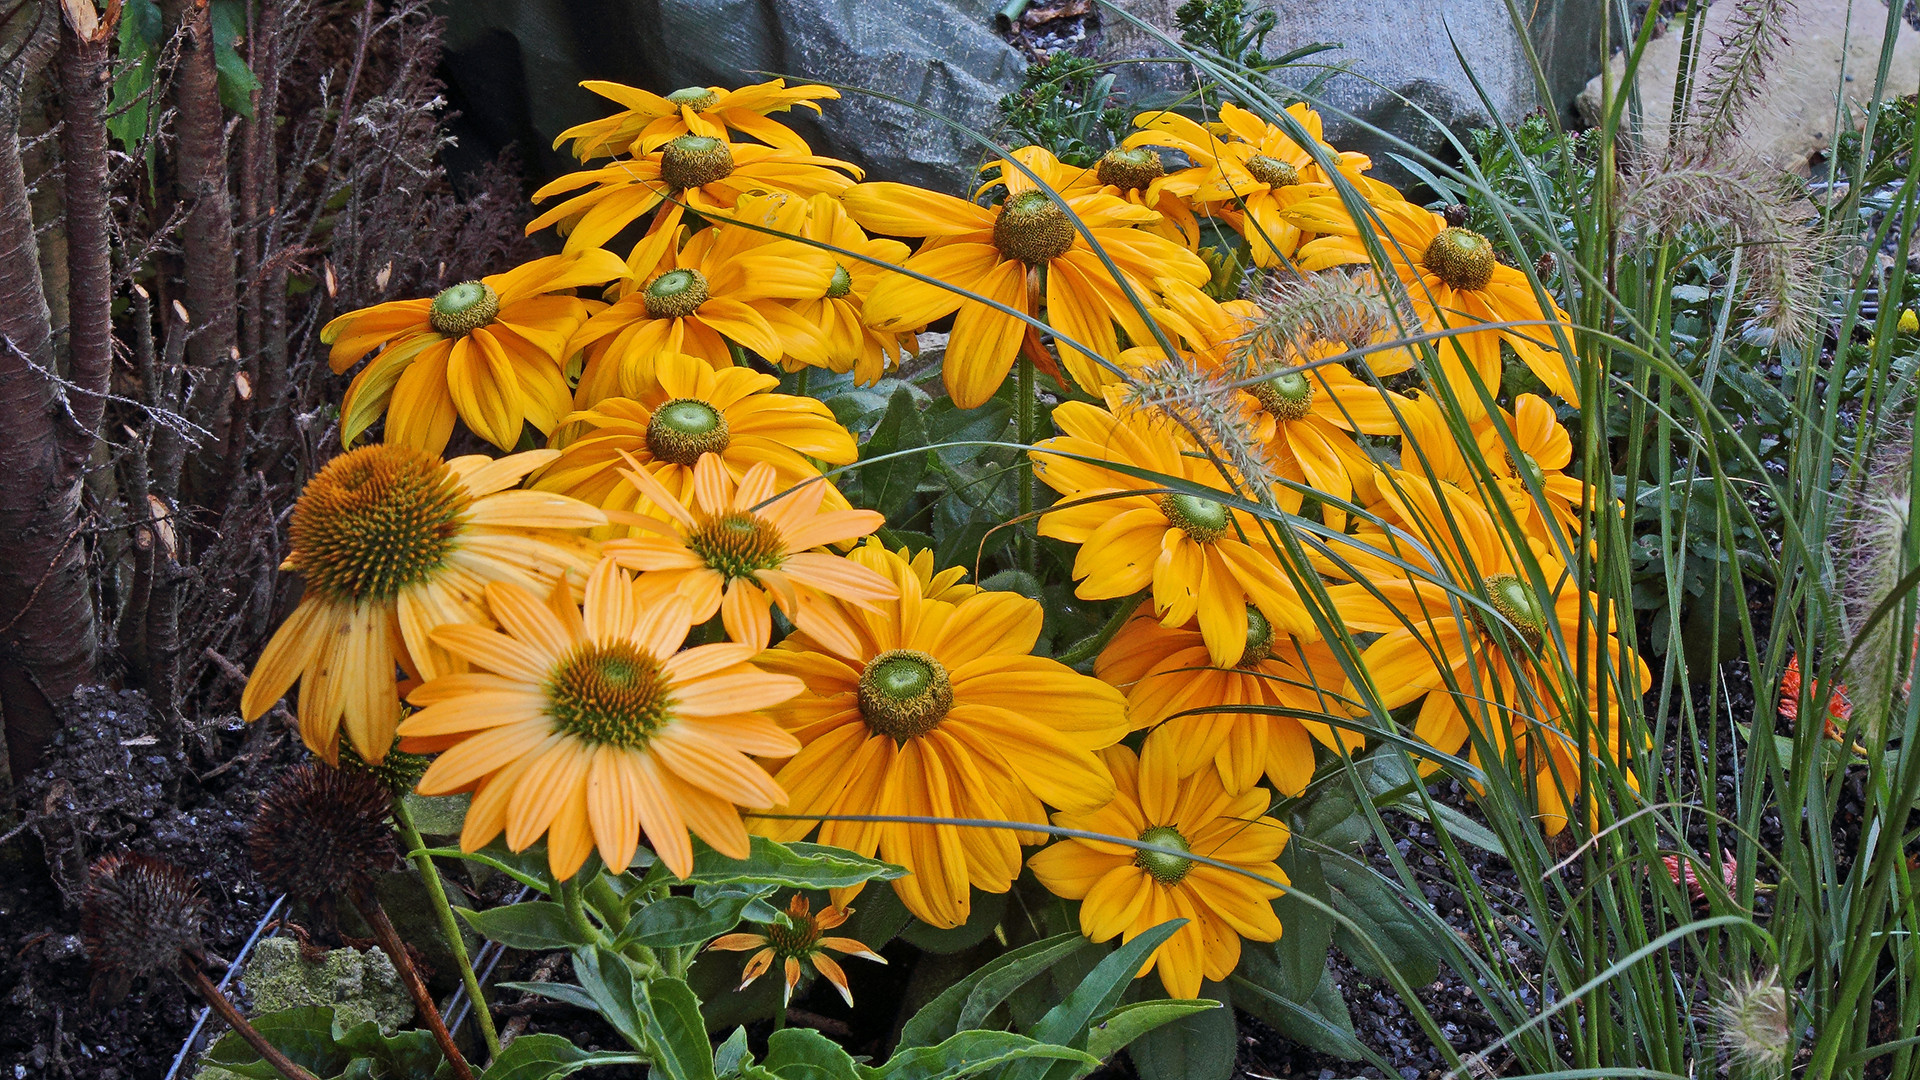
359,985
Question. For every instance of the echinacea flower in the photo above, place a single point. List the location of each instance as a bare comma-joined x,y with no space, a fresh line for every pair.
1124,891
739,550
393,542
1498,668
1453,282
707,174
938,710
1254,171
590,725
491,352
994,251
651,119
1244,720
689,411
796,937
1133,533
724,285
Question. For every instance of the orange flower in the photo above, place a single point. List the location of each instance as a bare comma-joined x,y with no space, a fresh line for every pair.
650,119
1839,708
741,549
796,937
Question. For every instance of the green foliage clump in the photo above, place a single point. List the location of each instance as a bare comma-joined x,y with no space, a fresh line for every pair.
1226,29
1066,104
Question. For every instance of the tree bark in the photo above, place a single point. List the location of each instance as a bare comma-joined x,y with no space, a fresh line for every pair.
206,240
84,80
47,642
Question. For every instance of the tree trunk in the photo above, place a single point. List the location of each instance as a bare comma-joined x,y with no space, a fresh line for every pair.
84,80
47,646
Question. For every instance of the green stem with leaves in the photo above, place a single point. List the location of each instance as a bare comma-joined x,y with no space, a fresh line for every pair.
449,927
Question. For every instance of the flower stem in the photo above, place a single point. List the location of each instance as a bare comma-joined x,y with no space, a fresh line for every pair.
576,910
1089,647
449,928
389,939
217,1001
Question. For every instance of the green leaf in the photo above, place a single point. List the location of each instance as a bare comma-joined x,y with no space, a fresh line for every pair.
787,866
1363,896
607,978
671,1014
404,1053
805,1054
983,914
441,815
940,1017
687,920
1292,966
531,925
542,1057
732,1056
1177,1040
565,993
1097,994
972,1052
304,1034
887,486
141,30
236,80
1320,1023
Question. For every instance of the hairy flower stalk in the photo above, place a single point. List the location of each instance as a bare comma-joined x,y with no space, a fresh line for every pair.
1331,306
1756,33
1753,1021
1204,403
1875,559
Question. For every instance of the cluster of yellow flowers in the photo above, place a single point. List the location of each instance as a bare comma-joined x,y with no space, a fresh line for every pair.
586,632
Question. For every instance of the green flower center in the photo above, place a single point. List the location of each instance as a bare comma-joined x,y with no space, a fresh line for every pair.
692,161
1286,396
1032,229
697,98
904,694
1259,639
1272,172
375,521
685,428
1165,869
1517,605
461,309
608,693
1130,169
841,284
738,545
1460,257
1201,519
676,294
790,937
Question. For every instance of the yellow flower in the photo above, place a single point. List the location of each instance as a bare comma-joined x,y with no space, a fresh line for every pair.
1453,281
1124,891
1431,449
938,710
651,119
848,343
724,285
1314,411
797,937
591,725
948,585
1909,322
994,252
1134,533
739,549
1248,171
692,410
703,173
1169,680
1136,173
393,542
1447,545
491,351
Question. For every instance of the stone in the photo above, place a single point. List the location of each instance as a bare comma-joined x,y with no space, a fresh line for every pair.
1405,51
1832,44
515,66
360,986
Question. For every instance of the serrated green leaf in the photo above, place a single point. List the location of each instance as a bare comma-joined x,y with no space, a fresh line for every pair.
805,1054
972,1052
608,980
687,920
1176,1040
304,1034
531,925
1292,966
887,485
732,1056
671,1015
1320,1023
939,1018
1359,893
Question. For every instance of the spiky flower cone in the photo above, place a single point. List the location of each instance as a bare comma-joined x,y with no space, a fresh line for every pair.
321,832
140,913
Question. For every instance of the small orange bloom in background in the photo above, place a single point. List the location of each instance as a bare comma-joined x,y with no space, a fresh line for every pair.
797,937
1839,708
739,549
